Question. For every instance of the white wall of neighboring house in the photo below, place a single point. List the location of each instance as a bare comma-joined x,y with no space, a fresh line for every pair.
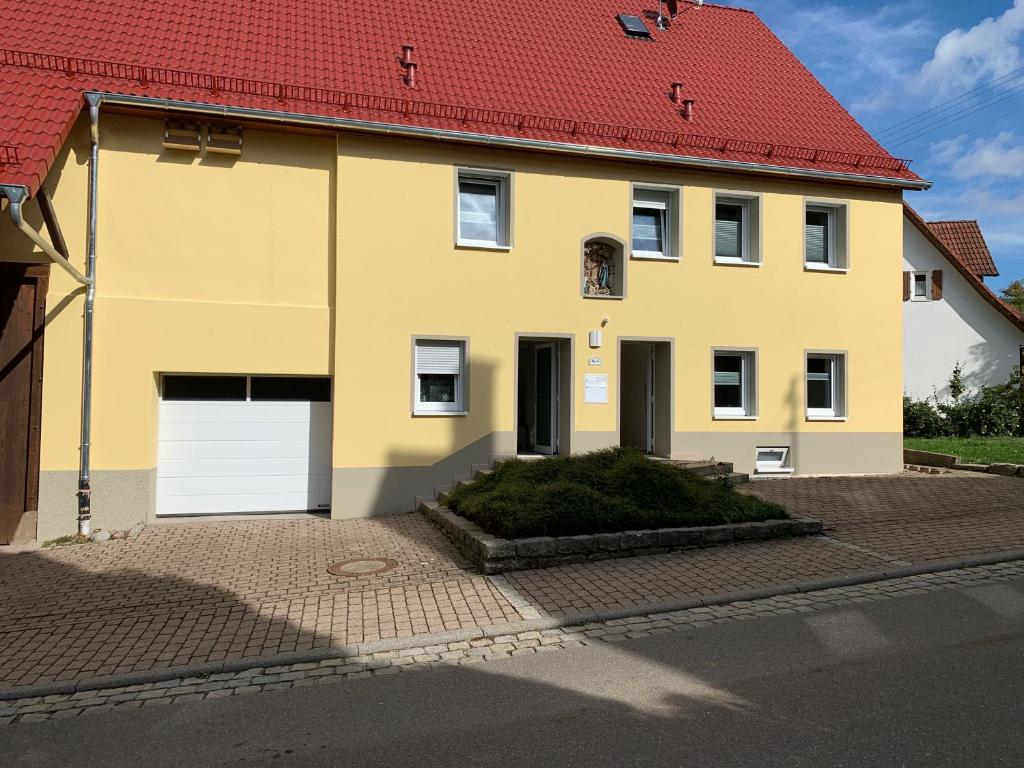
961,326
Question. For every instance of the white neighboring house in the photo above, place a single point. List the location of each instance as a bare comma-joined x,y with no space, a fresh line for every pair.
949,314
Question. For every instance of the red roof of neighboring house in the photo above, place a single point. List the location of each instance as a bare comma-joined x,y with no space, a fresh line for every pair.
965,241
534,69
926,229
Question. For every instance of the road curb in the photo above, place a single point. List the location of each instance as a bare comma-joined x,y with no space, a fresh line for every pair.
496,630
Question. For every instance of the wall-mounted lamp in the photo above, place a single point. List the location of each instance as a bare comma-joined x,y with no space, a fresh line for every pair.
595,339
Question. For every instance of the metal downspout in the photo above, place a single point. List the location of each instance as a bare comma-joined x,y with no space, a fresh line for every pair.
84,480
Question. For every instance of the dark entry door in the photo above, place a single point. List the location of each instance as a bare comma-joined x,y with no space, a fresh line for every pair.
22,305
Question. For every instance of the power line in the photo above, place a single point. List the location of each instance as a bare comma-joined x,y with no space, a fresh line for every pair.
915,131
973,128
949,104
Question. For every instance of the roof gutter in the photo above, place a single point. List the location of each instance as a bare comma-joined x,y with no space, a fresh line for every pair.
17,196
490,140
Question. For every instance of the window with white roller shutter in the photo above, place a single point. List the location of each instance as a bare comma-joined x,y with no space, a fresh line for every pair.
439,376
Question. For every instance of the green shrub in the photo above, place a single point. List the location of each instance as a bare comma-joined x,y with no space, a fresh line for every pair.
921,419
990,412
616,489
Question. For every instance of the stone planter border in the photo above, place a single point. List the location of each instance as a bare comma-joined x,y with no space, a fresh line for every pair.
492,554
945,461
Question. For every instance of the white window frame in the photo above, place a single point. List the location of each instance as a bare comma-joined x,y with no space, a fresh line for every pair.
502,182
780,467
669,209
750,227
837,379
748,385
927,286
837,243
456,408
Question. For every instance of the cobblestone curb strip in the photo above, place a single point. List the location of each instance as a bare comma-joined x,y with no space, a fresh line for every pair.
496,555
337,655
513,642
945,461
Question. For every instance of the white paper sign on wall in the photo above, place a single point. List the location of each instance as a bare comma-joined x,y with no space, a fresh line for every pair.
595,388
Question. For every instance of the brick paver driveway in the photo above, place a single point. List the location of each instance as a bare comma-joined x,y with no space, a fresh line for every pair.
871,523
191,593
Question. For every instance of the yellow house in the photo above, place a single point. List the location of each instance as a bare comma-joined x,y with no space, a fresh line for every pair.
343,289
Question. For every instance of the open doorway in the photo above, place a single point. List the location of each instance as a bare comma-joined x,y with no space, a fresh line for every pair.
542,424
645,396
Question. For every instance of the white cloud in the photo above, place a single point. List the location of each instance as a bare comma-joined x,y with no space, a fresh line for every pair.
999,156
872,49
962,59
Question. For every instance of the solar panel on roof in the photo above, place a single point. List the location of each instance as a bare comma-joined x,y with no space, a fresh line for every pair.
634,25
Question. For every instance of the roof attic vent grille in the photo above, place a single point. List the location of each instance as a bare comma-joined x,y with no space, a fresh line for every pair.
634,26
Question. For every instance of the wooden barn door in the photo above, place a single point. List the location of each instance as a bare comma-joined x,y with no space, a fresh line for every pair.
22,310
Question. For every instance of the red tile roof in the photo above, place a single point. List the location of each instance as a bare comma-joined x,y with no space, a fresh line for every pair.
965,241
1010,313
562,73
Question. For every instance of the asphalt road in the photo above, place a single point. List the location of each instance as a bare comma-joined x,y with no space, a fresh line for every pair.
935,679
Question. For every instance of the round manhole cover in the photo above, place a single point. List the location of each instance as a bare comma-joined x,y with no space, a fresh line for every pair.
362,566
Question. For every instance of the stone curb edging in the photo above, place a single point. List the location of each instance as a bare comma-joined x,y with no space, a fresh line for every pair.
496,630
946,461
492,554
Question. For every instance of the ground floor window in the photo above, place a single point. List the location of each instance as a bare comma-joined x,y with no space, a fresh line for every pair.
733,383
826,383
439,376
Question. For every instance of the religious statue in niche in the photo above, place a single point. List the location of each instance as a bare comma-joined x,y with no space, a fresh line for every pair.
599,276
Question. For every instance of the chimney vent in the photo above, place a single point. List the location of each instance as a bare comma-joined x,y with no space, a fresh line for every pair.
677,93
687,110
409,65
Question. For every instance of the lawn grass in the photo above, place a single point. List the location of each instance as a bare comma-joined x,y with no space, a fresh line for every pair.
618,489
973,450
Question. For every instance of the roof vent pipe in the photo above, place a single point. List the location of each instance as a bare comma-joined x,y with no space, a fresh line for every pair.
677,93
687,110
409,65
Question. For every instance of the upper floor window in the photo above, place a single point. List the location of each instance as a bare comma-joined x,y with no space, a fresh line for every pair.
484,213
654,222
440,376
922,286
737,229
825,237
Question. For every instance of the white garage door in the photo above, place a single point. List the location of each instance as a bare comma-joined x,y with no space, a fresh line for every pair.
243,444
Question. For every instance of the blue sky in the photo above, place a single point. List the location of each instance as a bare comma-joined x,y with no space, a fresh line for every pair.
888,62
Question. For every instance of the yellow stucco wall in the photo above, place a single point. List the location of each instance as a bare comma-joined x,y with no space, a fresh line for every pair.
396,244
205,264
321,254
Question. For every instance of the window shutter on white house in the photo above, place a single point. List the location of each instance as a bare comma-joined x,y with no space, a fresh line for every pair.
438,357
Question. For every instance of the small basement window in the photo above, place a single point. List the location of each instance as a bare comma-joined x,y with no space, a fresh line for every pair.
772,460
654,223
483,208
737,229
439,378
734,378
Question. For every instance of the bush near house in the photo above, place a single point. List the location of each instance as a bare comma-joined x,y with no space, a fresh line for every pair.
617,489
990,412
